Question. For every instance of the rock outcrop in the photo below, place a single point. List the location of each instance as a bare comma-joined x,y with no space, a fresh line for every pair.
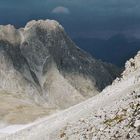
132,65
42,63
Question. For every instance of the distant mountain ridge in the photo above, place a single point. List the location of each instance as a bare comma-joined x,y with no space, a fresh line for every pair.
116,50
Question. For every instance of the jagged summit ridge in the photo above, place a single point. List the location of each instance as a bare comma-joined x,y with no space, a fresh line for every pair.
11,34
48,67
49,24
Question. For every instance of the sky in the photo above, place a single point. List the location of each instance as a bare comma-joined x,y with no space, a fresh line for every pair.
80,18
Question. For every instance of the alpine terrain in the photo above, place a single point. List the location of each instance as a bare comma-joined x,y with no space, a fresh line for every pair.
42,71
114,114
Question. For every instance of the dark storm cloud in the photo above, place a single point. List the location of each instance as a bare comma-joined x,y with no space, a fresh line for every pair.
86,16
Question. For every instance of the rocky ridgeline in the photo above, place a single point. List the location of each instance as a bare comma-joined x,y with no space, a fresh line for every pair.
132,65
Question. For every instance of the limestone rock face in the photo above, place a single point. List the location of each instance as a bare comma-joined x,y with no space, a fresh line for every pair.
41,62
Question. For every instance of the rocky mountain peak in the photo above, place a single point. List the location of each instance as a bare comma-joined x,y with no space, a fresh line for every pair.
46,65
49,25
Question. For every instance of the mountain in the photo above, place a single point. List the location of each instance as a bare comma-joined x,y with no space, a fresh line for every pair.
112,114
116,50
42,70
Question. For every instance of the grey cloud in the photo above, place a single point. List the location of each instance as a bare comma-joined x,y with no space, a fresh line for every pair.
61,10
